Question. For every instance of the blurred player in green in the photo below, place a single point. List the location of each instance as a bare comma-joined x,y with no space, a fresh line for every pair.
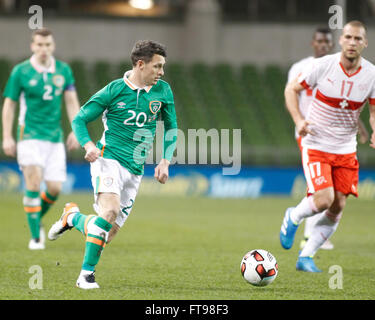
39,84
129,108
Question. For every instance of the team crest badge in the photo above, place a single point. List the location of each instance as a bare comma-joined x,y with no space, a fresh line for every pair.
58,80
155,106
108,181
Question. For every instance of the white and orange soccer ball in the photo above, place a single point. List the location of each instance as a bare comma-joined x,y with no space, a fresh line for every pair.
259,267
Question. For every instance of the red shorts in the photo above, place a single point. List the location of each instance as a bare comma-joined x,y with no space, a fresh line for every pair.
323,170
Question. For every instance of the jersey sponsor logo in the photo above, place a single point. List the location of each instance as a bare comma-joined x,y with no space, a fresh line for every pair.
152,118
121,105
58,80
155,106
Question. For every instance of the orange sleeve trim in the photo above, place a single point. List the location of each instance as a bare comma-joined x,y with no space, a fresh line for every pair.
101,153
32,209
96,241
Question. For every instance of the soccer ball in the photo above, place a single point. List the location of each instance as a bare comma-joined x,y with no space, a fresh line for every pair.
259,267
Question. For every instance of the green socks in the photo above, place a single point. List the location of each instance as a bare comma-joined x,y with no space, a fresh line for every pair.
96,230
47,201
32,207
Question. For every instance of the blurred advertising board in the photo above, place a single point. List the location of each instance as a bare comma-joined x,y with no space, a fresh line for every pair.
194,180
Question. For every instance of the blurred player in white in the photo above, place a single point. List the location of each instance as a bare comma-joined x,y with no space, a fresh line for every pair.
342,84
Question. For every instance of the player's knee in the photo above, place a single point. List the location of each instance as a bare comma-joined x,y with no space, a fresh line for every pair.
338,205
54,191
109,215
324,199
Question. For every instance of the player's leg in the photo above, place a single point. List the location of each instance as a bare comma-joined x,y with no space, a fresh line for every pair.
345,180
32,203
94,228
97,232
325,226
319,197
309,206
309,225
50,195
54,174
323,229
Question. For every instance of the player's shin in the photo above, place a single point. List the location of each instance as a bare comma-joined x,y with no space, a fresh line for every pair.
322,230
32,207
47,201
310,223
96,238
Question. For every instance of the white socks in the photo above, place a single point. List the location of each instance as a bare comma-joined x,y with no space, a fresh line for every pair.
304,209
323,229
310,223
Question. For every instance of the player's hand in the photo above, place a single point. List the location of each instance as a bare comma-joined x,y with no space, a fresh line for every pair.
92,152
9,147
72,142
372,140
162,171
303,128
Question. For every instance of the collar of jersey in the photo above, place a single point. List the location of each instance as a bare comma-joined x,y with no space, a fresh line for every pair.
39,68
131,85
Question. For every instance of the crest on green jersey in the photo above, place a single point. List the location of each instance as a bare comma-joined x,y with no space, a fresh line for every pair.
155,106
58,80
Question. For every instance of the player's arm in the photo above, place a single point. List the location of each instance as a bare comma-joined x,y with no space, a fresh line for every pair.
89,112
9,144
72,108
168,115
372,124
362,131
291,94
12,93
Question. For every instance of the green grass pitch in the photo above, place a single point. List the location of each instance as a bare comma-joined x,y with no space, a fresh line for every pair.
187,249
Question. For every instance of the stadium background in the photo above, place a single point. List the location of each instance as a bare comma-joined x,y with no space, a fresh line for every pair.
227,65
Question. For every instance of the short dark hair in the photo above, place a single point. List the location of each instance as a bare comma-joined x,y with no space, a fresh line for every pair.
145,50
324,30
44,32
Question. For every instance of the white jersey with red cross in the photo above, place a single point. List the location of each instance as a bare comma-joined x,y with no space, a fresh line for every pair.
305,96
338,100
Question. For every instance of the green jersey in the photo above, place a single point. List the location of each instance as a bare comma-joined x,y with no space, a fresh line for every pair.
129,116
39,92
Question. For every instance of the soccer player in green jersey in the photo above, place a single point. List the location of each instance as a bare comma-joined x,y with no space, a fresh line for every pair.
38,84
129,107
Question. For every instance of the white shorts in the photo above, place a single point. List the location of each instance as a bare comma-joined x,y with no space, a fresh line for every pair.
50,156
108,175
